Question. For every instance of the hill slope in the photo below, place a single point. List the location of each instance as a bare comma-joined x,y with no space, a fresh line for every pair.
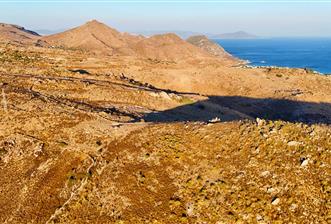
98,37
209,46
168,46
17,34
92,36
75,146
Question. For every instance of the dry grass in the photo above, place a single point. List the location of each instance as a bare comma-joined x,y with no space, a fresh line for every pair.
72,149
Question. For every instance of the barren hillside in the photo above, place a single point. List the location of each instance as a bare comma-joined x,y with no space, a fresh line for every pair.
209,46
16,34
92,36
106,138
98,37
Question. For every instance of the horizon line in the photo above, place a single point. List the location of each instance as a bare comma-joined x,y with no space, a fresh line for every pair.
209,34
165,1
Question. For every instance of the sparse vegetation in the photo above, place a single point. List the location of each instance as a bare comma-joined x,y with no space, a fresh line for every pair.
186,100
77,143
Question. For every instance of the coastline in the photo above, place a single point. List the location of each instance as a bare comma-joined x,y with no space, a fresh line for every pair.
308,70
309,53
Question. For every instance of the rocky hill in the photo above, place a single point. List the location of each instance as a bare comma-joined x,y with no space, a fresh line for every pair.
93,36
211,47
169,47
98,37
16,34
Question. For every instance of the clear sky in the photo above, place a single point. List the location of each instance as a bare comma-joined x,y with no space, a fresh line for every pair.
260,17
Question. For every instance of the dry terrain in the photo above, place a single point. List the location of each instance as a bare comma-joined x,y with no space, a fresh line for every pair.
146,133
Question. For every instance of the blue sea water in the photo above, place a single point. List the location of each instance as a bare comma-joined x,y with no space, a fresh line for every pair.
313,53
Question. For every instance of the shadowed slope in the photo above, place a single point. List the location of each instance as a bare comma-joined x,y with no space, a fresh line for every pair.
229,108
68,155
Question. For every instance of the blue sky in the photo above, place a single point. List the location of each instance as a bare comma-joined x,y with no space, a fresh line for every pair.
264,18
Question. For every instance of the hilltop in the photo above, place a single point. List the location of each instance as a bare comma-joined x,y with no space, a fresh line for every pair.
93,36
169,47
98,37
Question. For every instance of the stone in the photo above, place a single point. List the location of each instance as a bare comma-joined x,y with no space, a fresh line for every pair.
270,190
304,162
265,173
259,218
165,95
294,143
275,201
260,122
215,120
190,209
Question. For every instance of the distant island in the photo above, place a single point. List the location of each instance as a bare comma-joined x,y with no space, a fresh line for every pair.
187,34
181,33
235,35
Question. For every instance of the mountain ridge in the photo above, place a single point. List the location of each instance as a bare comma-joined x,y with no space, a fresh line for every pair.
98,37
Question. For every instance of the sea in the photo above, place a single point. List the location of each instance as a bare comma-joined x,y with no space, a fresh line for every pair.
311,53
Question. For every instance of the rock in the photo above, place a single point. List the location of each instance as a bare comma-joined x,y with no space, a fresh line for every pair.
215,120
294,143
275,201
153,94
293,207
260,122
259,218
265,173
165,95
190,209
39,150
304,162
270,190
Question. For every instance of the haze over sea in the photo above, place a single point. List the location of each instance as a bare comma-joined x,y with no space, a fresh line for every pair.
313,53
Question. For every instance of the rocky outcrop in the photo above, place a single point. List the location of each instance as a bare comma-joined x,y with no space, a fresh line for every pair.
211,47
